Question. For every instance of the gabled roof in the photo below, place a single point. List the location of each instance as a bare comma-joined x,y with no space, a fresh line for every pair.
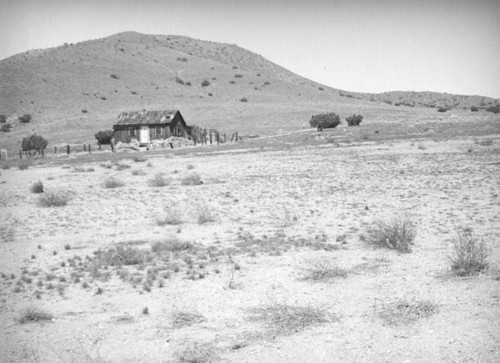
145,117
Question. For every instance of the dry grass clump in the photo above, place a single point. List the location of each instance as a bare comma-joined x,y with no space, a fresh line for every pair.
470,253
111,183
196,352
405,311
122,166
81,169
53,199
191,179
398,234
33,314
323,269
205,214
283,319
23,165
121,256
172,245
181,319
158,181
139,159
171,216
37,187
138,172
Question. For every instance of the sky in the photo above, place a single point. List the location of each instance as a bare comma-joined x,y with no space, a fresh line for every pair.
364,46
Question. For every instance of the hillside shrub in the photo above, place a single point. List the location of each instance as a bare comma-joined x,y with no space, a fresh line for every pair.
325,120
443,109
53,199
238,76
495,109
114,76
5,127
474,109
25,118
205,83
354,120
34,143
243,99
105,138
3,119
179,80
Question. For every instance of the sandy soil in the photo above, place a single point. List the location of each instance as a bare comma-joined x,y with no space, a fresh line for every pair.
271,214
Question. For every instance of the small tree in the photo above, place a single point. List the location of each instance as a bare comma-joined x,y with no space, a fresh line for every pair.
325,120
495,109
105,138
34,143
25,118
354,120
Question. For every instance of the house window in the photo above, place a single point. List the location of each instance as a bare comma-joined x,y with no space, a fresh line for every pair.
131,131
158,130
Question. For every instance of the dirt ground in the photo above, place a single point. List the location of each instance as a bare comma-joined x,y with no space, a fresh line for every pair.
221,271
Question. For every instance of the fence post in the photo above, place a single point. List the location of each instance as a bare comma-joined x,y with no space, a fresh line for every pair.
55,149
90,151
84,148
20,154
43,154
67,149
224,137
210,137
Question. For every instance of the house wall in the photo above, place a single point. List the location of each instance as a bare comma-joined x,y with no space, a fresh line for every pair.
122,135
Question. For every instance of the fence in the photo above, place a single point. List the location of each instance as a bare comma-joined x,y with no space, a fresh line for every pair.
201,136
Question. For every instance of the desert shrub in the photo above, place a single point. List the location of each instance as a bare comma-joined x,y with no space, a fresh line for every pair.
139,159
105,138
188,83
205,83
122,166
321,88
53,199
442,109
111,183
114,76
3,119
25,164
33,314
171,216
121,256
283,319
495,109
267,83
158,181
196,352
84,111
354,120
172,245
398,234
34,143
25,118
232,82
470,253
5,127
205,214
238,76
191,179
474,109
244,99
181,319
406,311
37,187
138,172
323,269
325,120
179,80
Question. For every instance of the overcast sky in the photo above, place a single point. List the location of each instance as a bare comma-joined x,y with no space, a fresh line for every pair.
367,46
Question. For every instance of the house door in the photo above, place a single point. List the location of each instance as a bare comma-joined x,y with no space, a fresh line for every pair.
144,135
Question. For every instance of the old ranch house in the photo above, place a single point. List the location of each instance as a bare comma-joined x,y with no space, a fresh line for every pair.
145,126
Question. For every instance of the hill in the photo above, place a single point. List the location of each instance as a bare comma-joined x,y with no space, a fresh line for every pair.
74,90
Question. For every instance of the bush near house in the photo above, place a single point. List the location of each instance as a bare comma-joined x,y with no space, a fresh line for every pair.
25,118
354,120
325,120
34,143
105,138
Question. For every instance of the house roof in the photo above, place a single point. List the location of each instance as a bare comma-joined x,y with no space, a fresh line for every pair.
146,117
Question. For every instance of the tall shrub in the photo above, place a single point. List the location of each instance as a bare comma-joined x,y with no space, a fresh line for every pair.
354,120
105,138
34,143
325,120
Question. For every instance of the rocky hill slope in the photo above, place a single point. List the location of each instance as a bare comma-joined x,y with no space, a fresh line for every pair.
74,90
